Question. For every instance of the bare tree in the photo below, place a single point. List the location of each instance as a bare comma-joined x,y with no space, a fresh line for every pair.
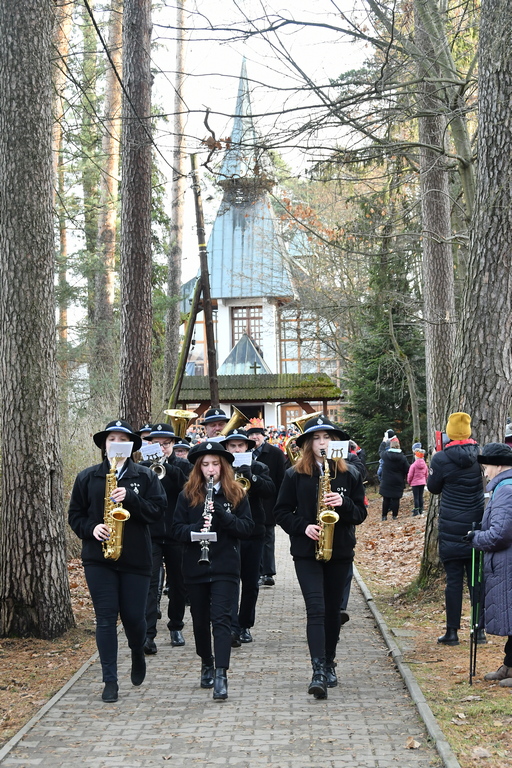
34,588
482,371
172,328
136,267
104,358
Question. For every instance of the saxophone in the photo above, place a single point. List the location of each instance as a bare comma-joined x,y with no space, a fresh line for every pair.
326,517
113,516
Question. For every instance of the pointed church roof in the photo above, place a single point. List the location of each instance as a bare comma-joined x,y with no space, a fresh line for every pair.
244,358
246,254
245,158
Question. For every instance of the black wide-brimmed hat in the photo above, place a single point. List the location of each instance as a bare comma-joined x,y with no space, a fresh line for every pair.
145,428
215,414
320,423
209,448
117,426
183,442
497,454
161,430
239,434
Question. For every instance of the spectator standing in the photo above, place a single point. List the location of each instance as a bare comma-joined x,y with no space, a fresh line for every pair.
495,540
455,474
417,478
392,481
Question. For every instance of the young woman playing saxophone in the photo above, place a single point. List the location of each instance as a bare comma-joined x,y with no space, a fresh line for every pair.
321,569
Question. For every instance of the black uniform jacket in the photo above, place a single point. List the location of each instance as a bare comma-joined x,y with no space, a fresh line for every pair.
296,508
172,483
275,460
456,474
225,552
262,488
145,501
395,468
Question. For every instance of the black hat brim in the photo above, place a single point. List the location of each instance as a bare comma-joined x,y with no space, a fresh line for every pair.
216,449
337,434
100,437
496,460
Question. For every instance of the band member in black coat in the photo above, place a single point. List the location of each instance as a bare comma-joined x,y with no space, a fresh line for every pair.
117,587
214,421
166,549
212,585
275,460
321,581
260,487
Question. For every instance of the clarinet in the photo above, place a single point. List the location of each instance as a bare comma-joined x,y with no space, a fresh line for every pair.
207,514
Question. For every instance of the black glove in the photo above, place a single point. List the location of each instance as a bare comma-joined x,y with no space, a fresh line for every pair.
222,516
196,527
244,470
468,538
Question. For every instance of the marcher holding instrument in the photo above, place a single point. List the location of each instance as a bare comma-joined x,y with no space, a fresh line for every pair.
322,553
212,574
119,580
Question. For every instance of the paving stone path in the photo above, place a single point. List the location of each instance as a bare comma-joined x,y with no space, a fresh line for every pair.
268,721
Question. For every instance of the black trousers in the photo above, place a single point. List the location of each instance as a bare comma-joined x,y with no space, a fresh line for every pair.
250,558
114,594
455,570
171,553
322,585
508,652
211,605
417,494
268,560
390,505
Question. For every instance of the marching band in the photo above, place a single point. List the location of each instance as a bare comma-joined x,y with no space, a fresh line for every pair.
200,525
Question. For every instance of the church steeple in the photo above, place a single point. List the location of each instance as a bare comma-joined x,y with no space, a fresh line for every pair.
245,163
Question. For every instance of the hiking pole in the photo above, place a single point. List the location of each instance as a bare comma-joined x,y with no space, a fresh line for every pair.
476,588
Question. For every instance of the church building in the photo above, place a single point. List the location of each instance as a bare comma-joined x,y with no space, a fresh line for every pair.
270,364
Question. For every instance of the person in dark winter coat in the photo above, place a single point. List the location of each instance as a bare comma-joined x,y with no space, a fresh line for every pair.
212,585
392,481
383,447
455,474
260,488
322,581
117,586
274,458
165,548
495,540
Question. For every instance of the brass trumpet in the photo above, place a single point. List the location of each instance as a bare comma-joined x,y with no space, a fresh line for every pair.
242,481
158,468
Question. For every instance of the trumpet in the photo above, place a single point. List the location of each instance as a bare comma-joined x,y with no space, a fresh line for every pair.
243,481
158,468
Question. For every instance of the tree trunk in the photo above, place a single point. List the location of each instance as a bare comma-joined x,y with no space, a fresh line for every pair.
105,342
172,328
438,280
136,312
482,372
34,588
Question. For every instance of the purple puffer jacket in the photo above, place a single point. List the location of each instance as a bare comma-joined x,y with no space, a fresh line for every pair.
495,539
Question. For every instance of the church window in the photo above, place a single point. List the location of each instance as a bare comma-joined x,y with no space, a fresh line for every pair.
247,320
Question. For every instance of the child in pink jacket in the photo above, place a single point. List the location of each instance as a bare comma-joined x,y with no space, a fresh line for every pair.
417,479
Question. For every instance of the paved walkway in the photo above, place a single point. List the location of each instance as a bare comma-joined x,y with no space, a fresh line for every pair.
268,721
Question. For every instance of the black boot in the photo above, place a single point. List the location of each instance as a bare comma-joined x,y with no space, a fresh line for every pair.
318,684
481,637
138,667
207,673
449,638
220,684
330,673
110,691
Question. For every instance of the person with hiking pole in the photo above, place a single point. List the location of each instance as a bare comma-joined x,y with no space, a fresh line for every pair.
495,541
